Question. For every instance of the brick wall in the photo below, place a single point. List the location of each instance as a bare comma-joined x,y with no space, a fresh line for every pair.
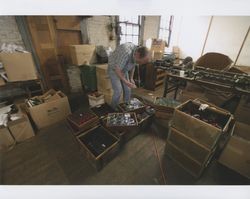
9,32
98,33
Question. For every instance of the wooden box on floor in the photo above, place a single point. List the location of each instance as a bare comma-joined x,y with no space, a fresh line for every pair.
124,107
6,140
119,126
164,111
82,121
202,132
192,148
55,108
99,146
185,161
236,154
102,110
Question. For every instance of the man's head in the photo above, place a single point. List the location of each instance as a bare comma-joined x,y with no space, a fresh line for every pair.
142,55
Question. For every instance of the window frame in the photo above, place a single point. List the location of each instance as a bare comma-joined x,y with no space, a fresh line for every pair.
128,23
167,28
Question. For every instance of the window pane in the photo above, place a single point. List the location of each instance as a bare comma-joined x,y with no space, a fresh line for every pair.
129,29
123,28
135,40
135,30
129,39
122,40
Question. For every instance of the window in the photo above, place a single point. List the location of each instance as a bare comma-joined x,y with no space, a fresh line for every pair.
129,29
166,28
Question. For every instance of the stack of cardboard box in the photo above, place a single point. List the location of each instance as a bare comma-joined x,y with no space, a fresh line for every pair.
157,48
194,134
103,82
15,129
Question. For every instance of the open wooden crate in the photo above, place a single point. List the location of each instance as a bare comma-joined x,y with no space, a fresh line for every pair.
205,129
122,121
135,105
82,121
99,145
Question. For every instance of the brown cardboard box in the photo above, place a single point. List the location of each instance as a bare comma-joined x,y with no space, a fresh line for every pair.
158,45
2,82
21,129
202,132
103,84
6,140
236,153
19,66
184,160
190,146
102,69
83,54
50,112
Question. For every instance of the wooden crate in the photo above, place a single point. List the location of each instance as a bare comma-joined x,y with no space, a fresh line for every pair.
99,145
201,131
236,154
124,107
102,110
120,126
195,150
77,124
185,161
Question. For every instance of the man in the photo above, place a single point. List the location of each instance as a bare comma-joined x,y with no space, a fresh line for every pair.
121,67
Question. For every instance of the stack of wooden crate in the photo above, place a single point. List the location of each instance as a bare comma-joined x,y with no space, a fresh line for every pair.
194,134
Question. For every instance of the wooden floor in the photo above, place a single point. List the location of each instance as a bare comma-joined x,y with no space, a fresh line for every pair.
53,157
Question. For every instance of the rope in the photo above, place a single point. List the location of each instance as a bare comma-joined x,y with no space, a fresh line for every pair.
158,157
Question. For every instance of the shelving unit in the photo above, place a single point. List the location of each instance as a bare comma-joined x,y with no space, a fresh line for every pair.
154,77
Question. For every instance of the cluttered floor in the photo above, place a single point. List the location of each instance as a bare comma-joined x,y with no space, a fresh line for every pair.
53,157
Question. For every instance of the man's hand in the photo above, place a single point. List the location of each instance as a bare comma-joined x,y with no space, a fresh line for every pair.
131,85
132,81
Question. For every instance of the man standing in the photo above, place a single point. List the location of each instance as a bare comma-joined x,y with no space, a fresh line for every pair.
121,67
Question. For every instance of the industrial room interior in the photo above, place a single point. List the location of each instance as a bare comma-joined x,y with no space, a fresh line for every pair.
192,124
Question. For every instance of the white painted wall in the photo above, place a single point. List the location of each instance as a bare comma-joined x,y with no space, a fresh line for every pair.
227,34
189,35
244,57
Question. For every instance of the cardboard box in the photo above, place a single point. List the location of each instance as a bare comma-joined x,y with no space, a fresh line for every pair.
202,132
190,146
19,66
102,69
236,154
96,100
21,129
2,82
50,112
158,45
185,161
103,84
6,140
83,54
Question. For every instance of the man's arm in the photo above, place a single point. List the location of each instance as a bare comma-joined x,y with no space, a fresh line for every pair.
132,75
120,74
